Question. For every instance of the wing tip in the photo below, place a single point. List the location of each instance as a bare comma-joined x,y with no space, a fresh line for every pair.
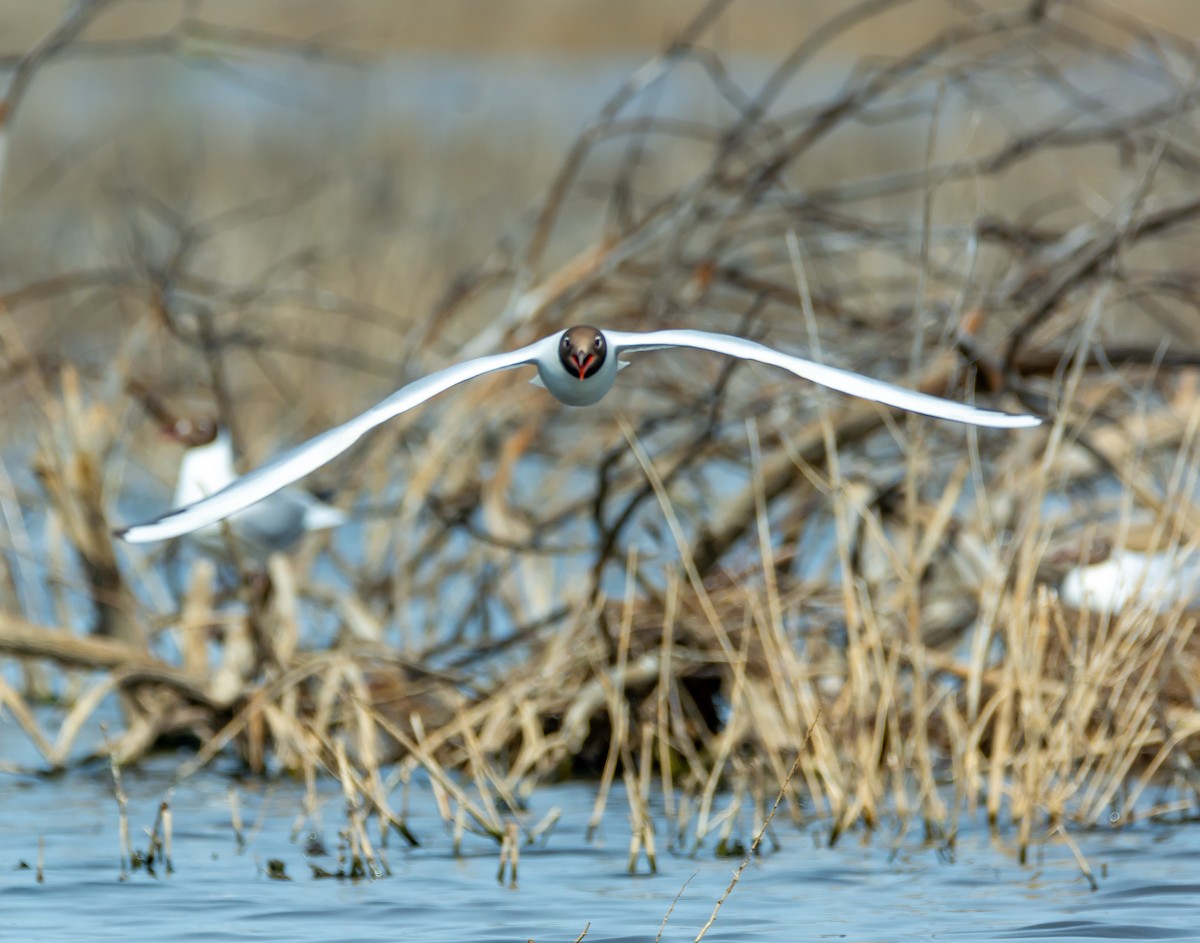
128,533
978,416
136,533
1023,420
1018,420
985,418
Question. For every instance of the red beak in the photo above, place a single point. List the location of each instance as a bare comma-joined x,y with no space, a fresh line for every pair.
582,362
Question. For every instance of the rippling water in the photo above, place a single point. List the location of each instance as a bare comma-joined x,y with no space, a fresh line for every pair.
865,888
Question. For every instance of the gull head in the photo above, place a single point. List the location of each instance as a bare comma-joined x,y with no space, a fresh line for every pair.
192,431
582,351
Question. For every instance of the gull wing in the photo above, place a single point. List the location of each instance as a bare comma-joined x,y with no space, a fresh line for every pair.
844,381
297,462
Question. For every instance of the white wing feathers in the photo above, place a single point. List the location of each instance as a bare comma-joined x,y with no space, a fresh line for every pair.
297,462
303,459
836,379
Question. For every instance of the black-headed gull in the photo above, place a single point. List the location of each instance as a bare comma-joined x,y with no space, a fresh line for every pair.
268,526
578,367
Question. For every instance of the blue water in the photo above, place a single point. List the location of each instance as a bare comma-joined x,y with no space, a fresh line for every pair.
864,888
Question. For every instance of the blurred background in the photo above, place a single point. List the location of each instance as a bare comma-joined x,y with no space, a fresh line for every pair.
276,213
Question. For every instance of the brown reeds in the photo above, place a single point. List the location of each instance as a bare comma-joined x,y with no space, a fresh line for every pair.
729,576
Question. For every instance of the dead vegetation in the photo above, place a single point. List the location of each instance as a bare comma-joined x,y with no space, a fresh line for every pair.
727,574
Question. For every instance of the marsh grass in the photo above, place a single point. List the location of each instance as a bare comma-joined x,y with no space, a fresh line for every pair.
715,579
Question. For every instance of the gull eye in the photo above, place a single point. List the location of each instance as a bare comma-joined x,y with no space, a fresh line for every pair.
598,342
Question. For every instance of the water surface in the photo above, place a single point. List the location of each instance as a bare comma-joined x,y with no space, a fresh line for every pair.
864,888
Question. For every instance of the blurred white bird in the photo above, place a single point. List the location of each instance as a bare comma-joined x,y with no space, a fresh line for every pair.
1158,581
578,367
268,526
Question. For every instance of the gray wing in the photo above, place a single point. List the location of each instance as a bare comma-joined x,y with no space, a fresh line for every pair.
845,381
295,463
275,523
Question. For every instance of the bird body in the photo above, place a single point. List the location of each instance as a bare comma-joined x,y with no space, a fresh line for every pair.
578,367
204,470
574,369
263,528
1157,581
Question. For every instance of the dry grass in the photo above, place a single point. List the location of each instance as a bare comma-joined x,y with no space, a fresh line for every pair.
727,575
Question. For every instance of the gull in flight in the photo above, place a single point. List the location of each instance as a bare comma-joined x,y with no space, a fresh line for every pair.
578,367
